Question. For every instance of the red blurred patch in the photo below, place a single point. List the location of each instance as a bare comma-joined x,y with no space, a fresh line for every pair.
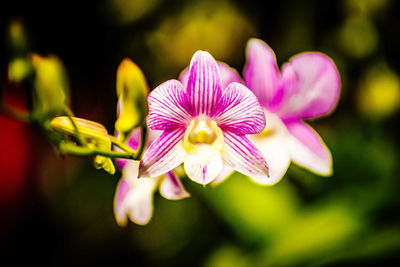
14,159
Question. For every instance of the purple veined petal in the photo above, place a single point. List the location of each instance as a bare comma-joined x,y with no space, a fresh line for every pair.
164,154
172,188
261,73
133,142
204,83
168,106
307,148
134,197
204,165
223,175
239,111
311,84
228,75
241,155
272,143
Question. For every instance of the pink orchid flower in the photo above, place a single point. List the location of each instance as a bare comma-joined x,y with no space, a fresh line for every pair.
307,87
133,196
204,126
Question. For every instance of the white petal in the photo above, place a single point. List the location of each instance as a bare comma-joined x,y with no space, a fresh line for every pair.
204,164
172,188
272,143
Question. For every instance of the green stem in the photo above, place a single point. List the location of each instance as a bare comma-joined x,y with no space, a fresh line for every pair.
86,151
121,145
69,113
142,143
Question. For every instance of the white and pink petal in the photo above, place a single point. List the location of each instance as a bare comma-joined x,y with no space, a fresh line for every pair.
168,106
228,75
171,187
204,84
239,111
134,197
241,155
164,154
203,164
307,149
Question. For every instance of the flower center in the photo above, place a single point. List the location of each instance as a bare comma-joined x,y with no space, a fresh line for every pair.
203,132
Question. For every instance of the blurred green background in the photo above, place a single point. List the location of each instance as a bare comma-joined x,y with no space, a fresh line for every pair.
58,211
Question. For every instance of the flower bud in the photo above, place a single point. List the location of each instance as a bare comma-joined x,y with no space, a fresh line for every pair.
132,90
93,134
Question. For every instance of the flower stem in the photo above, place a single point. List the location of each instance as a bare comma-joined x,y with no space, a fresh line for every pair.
121,145
87,151
142,143
69,113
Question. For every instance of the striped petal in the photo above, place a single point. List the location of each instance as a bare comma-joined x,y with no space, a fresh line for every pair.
311,86
133,142
164,154
228,75
168,106
134,197
172,188
238,111
204,83
240,154
203,165
307,149
261,73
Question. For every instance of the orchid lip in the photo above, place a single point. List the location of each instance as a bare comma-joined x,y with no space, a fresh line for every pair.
203,132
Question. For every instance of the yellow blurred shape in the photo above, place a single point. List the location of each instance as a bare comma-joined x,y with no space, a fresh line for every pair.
313,234
213,26
51,86
379,93
227,256
366,7
358,37
132,90
17,35
94,134
254,211
128,11
18,69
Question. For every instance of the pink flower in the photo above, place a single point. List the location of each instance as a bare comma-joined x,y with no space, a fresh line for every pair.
204,126
307,87
134,196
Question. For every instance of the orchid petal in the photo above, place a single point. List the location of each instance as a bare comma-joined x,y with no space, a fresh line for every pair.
261,73
312,86
228,75
204,83
134,196
273,145
223,175
240,154
204,165
172,188
164,154
307,148
133,142
238,111
168,106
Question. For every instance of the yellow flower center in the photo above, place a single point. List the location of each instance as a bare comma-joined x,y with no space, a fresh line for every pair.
202,132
